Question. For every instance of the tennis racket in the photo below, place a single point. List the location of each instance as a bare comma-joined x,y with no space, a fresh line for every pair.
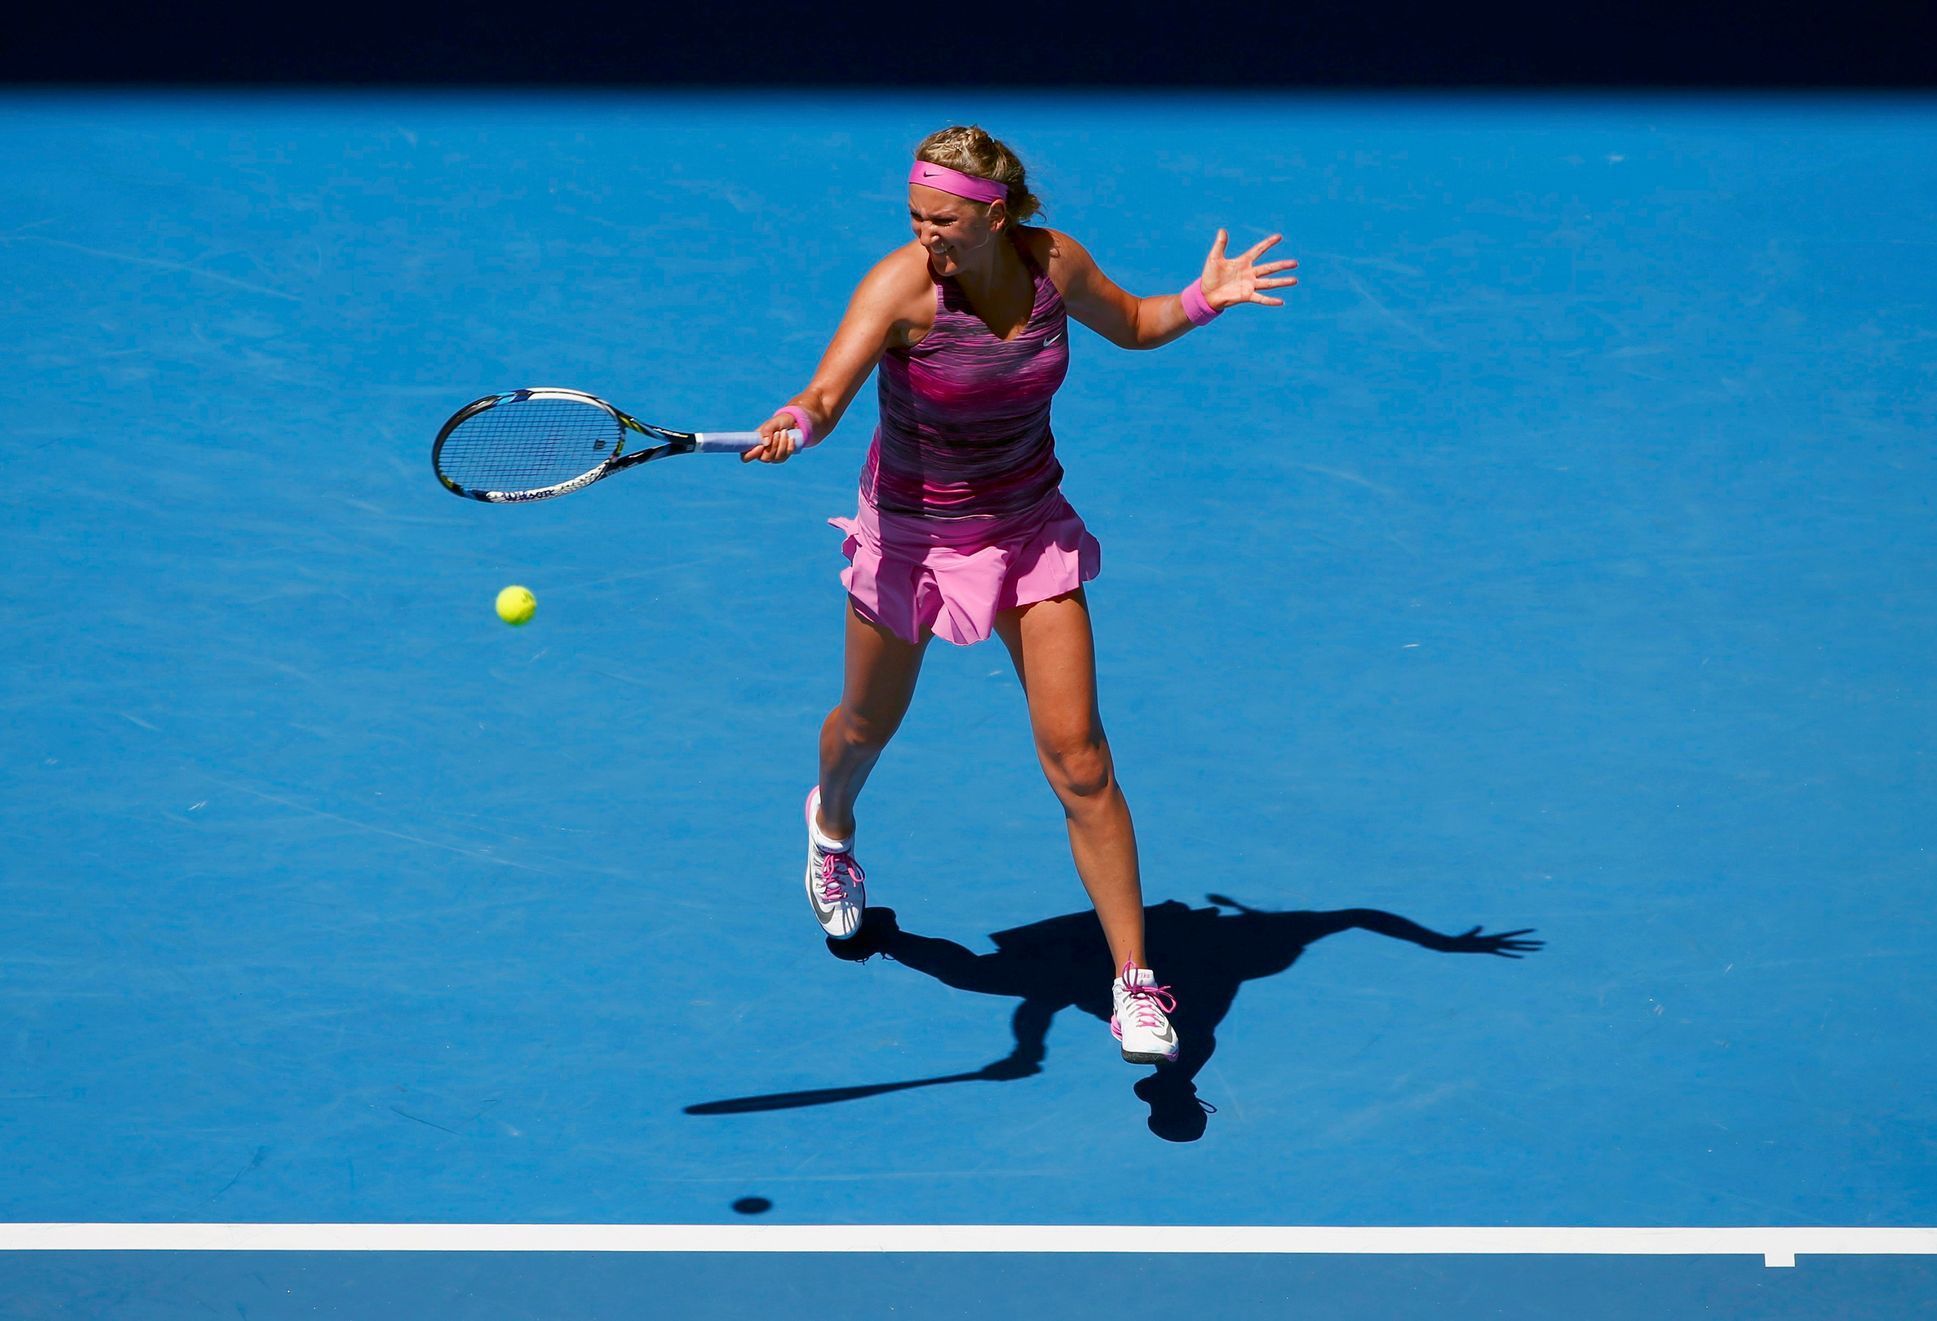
538,443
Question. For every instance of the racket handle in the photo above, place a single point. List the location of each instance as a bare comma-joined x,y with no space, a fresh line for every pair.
732,442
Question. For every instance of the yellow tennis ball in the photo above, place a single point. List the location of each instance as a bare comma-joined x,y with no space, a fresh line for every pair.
516,605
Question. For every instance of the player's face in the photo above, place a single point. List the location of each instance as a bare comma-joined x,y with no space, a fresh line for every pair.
953,229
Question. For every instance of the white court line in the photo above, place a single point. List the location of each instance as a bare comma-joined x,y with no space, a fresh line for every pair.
1776,1245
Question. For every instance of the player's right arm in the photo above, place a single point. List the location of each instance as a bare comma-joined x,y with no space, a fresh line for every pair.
892,307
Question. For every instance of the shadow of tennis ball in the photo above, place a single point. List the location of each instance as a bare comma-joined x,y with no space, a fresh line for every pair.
753,1206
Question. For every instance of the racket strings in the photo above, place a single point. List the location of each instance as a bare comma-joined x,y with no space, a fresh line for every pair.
527,445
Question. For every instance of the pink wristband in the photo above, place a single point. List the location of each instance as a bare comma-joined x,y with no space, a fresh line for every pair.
801,420
1197,308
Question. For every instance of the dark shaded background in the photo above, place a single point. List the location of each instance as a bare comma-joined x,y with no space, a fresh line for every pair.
1036,43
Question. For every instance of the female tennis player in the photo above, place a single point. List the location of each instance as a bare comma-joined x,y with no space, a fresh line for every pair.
962,529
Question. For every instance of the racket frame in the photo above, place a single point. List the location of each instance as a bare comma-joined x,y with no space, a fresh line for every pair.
670,443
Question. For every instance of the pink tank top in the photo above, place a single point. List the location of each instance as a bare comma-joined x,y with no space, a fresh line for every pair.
965,416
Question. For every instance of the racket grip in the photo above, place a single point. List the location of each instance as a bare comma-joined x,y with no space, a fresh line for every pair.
732,442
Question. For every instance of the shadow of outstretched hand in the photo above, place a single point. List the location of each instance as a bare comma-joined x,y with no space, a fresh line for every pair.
1505,945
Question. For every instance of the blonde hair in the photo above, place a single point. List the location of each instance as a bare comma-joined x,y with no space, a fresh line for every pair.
971,150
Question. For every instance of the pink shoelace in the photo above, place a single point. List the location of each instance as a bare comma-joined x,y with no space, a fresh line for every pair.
838,871
1146,1001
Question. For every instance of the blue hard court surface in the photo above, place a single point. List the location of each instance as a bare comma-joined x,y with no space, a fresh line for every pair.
1562,557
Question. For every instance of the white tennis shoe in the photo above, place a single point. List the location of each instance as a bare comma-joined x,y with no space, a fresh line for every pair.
1141,1023
835,883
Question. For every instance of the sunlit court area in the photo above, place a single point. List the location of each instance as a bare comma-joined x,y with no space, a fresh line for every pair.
1513,643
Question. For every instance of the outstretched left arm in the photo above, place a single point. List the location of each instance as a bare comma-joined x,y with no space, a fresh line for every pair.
1130,322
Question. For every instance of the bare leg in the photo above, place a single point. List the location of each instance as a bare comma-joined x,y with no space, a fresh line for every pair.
878,684
1055,657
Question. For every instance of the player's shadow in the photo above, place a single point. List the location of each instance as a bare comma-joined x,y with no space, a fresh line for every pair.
1052,965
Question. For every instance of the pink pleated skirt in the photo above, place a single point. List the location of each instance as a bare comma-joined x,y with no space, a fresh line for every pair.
951,576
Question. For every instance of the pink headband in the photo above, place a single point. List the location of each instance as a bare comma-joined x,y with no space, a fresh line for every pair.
954,181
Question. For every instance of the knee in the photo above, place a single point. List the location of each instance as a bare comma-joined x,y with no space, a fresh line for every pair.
1077,767
859,732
